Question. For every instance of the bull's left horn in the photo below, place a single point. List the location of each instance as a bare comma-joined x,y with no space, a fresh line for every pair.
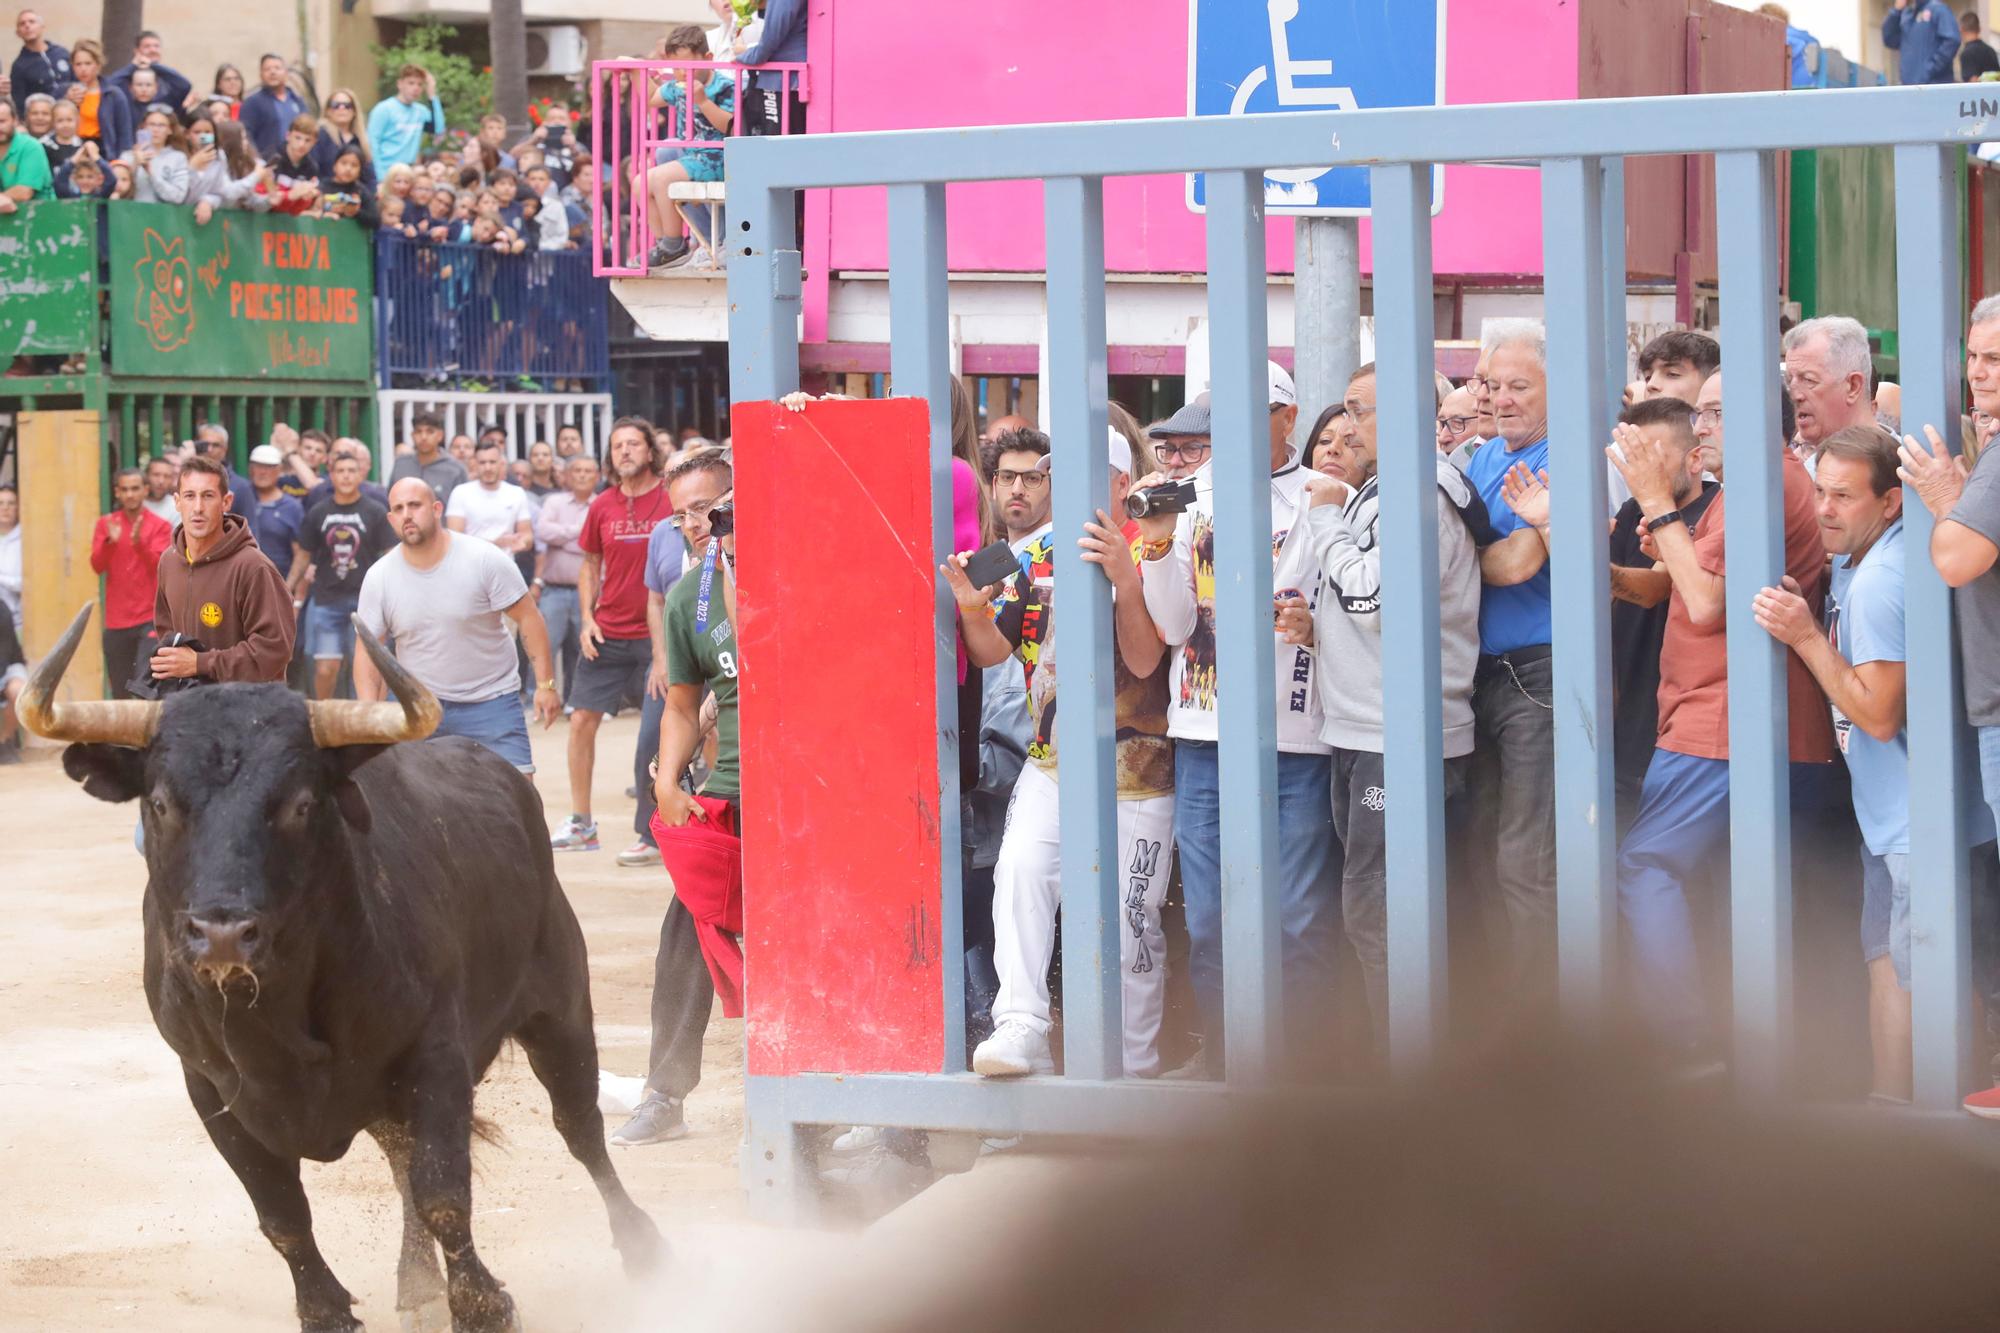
343,722
129,722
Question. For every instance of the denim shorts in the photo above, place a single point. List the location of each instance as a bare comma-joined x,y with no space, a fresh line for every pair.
328,630
1885,910
499,724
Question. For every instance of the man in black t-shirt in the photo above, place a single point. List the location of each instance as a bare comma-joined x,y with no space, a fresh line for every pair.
1977,56
341,537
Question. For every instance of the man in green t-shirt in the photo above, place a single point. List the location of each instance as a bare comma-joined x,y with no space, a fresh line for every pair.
700,622
24,166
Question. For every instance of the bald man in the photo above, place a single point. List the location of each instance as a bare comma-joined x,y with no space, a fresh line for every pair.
445,598
1003,426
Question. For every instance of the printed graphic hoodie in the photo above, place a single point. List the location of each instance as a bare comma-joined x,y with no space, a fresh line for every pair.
231,599
1347,623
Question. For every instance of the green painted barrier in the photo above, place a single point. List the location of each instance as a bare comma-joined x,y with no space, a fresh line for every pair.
249,296
48,279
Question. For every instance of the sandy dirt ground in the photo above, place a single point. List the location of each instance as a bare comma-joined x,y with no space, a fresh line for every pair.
119,1214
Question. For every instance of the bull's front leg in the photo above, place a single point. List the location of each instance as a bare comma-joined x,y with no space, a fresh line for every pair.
441,1188
272,1182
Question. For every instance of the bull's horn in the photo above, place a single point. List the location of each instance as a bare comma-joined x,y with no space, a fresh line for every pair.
112,722
344,722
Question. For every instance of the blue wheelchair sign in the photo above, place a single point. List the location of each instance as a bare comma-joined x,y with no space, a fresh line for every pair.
1247,57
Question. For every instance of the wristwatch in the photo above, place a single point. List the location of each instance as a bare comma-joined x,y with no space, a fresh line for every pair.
541,685
1671,516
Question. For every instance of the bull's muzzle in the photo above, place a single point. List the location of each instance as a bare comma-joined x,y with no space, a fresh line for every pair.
221,949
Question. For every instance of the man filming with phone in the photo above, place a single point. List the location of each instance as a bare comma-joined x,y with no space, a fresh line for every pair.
698,833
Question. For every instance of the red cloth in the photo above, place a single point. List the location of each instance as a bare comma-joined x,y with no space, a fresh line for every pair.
131,570
705,859
616,529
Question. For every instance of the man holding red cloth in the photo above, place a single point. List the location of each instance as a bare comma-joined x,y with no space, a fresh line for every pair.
701,952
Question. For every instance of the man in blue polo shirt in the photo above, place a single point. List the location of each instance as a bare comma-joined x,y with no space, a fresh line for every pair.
1512,699
1858,659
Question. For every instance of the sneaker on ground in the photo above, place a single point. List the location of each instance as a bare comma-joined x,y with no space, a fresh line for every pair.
859,1138
574,836
1195,1070
657,1120
1985,1105
1014,1049
640,853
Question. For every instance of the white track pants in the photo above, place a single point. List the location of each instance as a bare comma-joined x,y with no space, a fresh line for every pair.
1027,893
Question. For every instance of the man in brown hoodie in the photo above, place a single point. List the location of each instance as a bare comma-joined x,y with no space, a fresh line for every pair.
218,588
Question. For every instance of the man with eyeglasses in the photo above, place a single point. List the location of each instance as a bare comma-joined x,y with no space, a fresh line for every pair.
396,125
1178,573
1021,484
1181,456
1458,421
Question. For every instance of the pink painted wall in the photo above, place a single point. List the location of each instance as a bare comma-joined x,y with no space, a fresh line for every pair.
1036,61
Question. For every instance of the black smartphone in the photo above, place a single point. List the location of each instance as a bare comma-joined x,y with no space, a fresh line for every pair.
991,564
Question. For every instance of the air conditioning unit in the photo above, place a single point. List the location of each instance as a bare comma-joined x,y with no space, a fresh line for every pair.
556,51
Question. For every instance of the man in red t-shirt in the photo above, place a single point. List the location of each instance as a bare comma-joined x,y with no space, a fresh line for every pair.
126,548
1682,826
617,648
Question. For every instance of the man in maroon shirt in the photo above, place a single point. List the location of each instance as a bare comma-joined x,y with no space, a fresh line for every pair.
617,649
126,548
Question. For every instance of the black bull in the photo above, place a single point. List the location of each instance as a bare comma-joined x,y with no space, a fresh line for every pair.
341,932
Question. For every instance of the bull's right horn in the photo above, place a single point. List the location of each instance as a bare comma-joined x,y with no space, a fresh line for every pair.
128,722
338,722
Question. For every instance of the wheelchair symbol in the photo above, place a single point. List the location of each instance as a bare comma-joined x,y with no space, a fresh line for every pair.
1294,185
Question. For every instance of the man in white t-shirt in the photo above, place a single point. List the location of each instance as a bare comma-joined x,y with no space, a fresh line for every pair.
445,600
1178,574
492,508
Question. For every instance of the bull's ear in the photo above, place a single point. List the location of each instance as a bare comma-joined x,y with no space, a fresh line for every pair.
347,793
109,772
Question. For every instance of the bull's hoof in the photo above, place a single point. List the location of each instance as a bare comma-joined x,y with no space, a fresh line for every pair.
642,1248
339,1322
503,1316
431,1317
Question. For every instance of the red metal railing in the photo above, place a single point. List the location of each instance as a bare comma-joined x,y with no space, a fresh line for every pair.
627,130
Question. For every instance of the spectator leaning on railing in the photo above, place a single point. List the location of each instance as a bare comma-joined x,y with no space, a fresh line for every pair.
293,174
233,178
160,160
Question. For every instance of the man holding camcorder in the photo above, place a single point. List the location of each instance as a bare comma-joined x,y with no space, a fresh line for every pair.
1178,573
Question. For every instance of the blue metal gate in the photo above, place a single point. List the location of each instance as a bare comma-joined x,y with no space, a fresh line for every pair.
1580,147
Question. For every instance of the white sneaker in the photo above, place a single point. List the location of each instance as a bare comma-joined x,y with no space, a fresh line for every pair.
1014,1049
861,1138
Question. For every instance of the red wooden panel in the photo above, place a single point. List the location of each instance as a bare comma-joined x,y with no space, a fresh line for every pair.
839,729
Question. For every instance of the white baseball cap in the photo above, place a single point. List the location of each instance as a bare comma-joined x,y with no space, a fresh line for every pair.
1282,393
268,455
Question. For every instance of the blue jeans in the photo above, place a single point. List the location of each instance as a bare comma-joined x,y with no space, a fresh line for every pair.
563,614
1308,885
498,724
328,631
1682,832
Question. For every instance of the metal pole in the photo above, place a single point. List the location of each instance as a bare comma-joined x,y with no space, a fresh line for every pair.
1327,309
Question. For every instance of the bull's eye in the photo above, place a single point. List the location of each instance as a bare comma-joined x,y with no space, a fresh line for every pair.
159,807
299,808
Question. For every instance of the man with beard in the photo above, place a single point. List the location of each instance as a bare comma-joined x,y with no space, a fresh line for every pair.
443,598
611,589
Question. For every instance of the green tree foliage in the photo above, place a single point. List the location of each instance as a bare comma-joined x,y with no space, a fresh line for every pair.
464,86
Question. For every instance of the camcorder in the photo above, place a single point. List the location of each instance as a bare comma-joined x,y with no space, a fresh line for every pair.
722,519
1172,497
146,685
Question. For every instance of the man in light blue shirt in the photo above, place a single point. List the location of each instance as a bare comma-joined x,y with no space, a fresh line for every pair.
396,125
1858,659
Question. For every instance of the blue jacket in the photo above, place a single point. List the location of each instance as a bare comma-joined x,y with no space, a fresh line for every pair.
265,118
44,71
783,40
1926,32
174,85
114,120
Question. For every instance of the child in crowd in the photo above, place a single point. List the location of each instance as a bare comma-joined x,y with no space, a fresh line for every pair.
551,218
392,214
83,177
62,141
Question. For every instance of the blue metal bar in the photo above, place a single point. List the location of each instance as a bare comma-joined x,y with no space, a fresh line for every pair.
1086,724
920,357
764,282
1412,682
1246,686
1111,1108
1611,235
1760,807
1928,323
1514,131
1580,582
